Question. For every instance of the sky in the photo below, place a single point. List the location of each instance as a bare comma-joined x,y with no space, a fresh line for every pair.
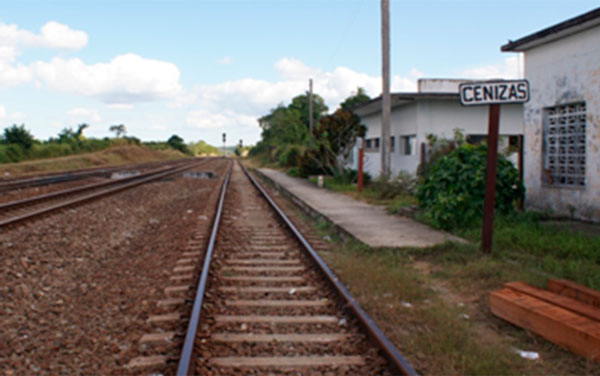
202,68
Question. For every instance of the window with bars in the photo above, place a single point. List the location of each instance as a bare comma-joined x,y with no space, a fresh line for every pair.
564,145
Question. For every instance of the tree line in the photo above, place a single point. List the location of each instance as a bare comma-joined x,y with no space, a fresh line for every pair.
287,140
18,144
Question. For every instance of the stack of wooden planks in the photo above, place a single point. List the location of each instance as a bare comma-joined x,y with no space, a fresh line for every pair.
566,313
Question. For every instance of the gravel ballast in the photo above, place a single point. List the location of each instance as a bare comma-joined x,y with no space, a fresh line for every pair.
78,286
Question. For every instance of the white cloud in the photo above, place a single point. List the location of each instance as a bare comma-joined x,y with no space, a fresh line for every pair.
52,35
80,113
510,68
204,119
57,35
119,106
13,39
126,79
2,111
225,60
239,103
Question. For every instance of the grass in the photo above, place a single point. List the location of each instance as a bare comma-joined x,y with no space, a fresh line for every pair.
113,156
523,242
445,282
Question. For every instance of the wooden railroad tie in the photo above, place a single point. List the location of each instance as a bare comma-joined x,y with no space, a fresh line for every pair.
566,314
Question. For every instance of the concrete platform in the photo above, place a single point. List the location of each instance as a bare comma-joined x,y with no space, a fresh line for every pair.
368,223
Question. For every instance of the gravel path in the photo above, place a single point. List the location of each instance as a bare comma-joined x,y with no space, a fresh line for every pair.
77,287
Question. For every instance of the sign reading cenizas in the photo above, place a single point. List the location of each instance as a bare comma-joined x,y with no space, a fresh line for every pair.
494,92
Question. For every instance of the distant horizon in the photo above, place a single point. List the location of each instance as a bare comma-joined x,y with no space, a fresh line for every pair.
198,69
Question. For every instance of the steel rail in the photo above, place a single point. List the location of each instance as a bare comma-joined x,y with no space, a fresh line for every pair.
391,352
69,175
137,180
69,191
185,361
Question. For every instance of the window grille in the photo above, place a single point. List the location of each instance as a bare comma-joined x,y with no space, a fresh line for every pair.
564,145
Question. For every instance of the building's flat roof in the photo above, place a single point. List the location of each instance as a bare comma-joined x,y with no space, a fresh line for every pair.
399,99
552,33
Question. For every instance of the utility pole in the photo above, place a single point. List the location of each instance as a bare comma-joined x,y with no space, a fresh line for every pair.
310,110
385,95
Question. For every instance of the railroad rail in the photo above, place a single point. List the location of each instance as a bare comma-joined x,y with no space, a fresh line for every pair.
266,301
19,211
70,175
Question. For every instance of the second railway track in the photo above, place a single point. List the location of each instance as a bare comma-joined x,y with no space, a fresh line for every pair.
25,209
265,307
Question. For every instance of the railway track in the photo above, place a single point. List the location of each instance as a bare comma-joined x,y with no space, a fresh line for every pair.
7,185
267,304
19,211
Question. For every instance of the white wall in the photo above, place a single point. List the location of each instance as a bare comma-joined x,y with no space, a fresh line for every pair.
439,117
562,72
372,161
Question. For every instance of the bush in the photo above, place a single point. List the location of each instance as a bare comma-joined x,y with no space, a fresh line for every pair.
308,163
51,150
293,172
287,155
11,153
452,192
386,188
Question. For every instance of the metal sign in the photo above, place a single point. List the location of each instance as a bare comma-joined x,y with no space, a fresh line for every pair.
494,92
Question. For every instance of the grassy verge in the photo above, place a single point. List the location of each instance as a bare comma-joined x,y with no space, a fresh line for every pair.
432,302
125,154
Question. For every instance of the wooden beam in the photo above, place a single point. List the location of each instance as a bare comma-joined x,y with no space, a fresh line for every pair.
556,299
574,291
560,326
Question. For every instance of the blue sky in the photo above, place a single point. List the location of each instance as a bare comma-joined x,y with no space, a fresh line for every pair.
200,68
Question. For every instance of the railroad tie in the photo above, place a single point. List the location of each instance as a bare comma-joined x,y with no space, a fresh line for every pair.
288,361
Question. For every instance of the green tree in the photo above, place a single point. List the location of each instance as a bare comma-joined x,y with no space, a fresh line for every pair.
355,99
201,148
79,133
335,137
177,143
18,135
119,129
300,104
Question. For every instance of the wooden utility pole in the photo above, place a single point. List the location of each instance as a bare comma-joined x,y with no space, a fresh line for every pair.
310,109
385,95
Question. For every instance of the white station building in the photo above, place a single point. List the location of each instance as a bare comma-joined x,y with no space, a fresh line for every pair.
434,109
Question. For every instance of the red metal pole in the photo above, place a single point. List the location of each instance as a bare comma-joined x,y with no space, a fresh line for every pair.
361,153
490,178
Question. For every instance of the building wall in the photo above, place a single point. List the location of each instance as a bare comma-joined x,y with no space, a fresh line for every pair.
439,117
563,72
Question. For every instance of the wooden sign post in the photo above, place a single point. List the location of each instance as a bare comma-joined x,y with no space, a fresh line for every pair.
361,155
492,93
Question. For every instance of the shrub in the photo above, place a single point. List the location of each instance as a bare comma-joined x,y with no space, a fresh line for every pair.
452,192
349,176
386,188
287,155
293,171
308,163
51,150
11,153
